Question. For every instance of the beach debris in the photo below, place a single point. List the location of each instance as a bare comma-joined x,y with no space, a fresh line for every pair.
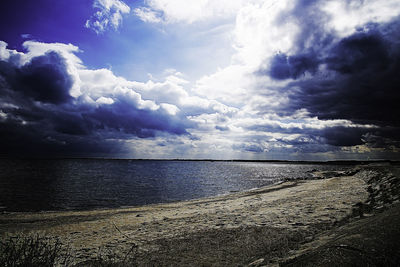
256,263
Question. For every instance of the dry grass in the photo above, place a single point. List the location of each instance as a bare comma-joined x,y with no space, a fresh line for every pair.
361,240
372,241
220,247
223,247
32,251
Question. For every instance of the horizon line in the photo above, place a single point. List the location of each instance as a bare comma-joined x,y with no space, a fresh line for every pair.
205,159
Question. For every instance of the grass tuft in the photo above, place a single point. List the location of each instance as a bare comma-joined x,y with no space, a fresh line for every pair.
32,251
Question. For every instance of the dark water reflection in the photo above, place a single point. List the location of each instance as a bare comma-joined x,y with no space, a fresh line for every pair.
34,185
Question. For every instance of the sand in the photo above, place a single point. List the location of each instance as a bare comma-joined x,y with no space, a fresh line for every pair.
292,205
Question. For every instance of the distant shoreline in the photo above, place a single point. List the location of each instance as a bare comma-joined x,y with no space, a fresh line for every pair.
322,162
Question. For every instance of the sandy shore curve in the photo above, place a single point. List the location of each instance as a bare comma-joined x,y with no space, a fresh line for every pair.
294,205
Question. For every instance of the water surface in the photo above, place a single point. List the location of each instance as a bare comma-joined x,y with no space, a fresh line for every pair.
80,184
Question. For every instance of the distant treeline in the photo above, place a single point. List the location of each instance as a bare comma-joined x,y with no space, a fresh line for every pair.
335,162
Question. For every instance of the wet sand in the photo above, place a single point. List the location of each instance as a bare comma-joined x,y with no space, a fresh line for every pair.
292,205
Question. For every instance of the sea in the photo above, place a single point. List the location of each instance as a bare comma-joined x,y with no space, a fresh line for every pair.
32,185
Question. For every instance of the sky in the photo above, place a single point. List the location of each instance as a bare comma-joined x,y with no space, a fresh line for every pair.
200,79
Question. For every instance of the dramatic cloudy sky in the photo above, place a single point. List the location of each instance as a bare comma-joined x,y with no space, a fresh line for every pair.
225,79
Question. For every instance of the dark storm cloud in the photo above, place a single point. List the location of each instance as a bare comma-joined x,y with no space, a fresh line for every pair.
284,67
257,148
39,117
360,82
364,50
334,135
28,140
44,79
343,136
379,140
354,78
123,117
305,143
222,128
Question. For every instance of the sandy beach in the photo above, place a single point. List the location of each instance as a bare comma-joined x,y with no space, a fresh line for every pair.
157,234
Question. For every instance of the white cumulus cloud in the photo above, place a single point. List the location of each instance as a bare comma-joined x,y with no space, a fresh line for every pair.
108,15
174,11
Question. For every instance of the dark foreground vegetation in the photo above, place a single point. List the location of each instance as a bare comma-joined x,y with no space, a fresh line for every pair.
370,235
222,247
372,241
32,251
38,251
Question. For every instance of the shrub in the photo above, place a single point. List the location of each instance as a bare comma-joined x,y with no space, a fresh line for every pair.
32,251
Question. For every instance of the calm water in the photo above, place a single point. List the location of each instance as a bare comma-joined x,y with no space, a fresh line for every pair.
77,184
